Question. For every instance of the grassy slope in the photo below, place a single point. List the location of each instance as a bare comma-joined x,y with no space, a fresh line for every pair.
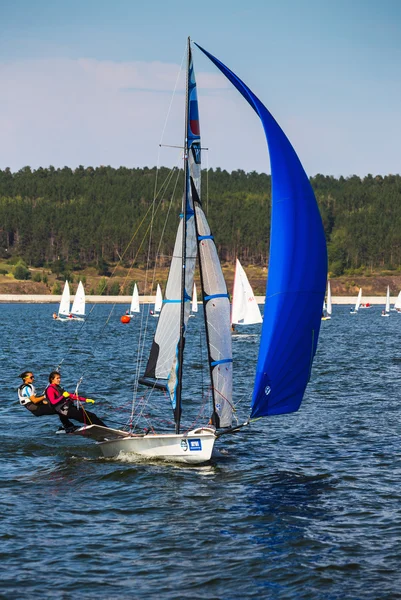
373,285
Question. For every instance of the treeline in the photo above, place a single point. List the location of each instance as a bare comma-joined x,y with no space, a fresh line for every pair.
96,216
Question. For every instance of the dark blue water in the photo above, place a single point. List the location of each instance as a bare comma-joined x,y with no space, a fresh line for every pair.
300,506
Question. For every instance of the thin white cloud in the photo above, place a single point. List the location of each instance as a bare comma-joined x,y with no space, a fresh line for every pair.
90,112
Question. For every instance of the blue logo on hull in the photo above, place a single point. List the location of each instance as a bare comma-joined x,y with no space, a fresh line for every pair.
195,445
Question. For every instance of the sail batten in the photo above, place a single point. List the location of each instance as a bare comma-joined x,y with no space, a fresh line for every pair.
297,272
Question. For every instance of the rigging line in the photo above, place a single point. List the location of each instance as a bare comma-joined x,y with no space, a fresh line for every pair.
143,330
207,185
145,401
98,341
200,413
77,335
75,338
142,341
173,95
164,187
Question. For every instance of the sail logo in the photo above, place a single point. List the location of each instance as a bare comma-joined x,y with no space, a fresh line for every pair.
267,390
196,153
195,445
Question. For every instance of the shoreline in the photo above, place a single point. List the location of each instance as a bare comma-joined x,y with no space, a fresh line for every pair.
50,299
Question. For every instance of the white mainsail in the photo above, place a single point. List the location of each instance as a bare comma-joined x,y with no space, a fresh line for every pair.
159,299
245,310
64,308
358,300
328,308
78,306
397,304
194,304
134,308
388,300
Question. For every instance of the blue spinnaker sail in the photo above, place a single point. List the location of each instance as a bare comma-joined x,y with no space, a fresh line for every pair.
297,273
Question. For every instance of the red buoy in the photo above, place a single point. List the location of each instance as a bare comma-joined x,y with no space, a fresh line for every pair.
125,319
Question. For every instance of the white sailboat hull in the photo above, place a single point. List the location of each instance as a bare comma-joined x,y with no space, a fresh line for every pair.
193,447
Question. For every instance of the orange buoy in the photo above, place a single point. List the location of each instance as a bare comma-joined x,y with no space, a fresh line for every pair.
125,319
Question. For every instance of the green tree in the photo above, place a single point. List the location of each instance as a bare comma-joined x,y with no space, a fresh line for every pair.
20,271
56,289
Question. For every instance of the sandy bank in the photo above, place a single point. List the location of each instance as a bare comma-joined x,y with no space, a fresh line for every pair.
50,299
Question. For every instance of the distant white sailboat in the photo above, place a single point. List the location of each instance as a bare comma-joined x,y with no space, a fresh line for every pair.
78,306
158,302
244,309
134,308
386,311
397,304
64,308
194,303
358,303
327,307
365,304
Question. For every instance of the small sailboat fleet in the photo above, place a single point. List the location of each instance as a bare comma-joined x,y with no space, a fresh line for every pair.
77,311
244,308
296,284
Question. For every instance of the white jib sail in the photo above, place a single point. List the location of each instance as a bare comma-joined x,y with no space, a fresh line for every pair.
78,306
328,309
358,300
134,308
159,299
388,300
397,304
64,308
194,305
245,310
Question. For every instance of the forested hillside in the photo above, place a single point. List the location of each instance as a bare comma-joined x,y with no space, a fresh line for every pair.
70,219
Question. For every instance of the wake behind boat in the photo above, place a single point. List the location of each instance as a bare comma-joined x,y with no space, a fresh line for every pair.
296,283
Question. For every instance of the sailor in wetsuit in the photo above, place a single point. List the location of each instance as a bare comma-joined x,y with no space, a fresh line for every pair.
62,402
37,405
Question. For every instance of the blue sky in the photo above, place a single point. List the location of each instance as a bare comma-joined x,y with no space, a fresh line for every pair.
91,82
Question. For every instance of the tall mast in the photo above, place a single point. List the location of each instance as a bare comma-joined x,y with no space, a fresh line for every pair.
177,410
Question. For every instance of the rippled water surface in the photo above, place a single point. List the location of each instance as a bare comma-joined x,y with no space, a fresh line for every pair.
299,506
